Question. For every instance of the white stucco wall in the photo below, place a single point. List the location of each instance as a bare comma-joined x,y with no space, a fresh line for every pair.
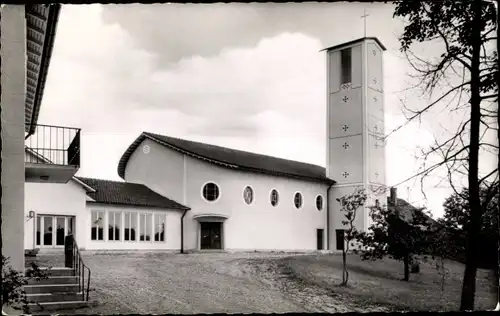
161,170
257,226
172,230
54,199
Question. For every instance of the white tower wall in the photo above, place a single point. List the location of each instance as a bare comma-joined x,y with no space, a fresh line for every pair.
355,127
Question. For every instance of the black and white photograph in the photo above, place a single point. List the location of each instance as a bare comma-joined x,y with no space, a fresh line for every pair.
199,158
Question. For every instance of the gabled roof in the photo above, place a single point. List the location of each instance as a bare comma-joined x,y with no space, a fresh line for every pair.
126,193
231,158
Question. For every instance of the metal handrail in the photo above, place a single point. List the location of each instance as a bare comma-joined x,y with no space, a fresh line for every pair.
79,270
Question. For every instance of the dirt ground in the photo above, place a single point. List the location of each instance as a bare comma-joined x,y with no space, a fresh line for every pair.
200,283
161,283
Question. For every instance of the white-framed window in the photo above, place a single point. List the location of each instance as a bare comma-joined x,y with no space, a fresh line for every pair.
97,229
145,226
297,200
210,192
319,202
274,197
114,225
160,220
248,195
130,226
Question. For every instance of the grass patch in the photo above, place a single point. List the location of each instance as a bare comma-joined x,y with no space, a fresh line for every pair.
380,282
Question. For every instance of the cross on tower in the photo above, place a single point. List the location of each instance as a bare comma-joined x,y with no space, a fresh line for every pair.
345,99
364,16
345,128
346,145
345,174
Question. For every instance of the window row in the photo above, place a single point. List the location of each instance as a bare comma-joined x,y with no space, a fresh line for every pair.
128,226
211,193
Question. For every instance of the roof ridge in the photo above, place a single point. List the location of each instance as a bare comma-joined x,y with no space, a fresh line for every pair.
223,147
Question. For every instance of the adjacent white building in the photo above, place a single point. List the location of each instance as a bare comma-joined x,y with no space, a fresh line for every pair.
180,195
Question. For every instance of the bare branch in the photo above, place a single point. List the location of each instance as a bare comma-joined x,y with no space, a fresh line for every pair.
419,113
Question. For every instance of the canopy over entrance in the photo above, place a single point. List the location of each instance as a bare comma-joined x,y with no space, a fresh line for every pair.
210,217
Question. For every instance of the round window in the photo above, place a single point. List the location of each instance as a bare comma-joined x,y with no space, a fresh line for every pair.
248,195
274,197
211,192
297,200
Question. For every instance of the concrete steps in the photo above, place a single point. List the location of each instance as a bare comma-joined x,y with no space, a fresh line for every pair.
55,280
56,306
54,297
59,271
60,291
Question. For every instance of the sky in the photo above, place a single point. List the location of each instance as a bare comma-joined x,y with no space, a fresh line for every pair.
245,76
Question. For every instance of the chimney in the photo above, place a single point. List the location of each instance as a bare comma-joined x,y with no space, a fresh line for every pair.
394,195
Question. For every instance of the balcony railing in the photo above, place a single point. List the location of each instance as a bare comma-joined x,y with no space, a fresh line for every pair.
54,145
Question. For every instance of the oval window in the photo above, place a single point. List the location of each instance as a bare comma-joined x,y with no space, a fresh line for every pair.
319,202
297,200
274,197
211,192
248,195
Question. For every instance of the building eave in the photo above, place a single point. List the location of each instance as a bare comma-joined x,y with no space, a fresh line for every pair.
41,25
133,147
340,46
94,202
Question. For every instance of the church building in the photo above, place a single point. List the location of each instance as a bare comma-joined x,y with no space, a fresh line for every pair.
181,195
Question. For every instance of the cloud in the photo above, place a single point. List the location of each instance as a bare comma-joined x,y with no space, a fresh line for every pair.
182,30
221,82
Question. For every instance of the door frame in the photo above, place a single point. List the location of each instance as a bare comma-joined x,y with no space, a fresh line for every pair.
219,225
322,238
210,217
54,229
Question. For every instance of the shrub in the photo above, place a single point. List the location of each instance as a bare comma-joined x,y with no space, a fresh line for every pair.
13,281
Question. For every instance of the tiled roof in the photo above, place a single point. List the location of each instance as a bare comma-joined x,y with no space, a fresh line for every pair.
231,158
406,211
41,25
126,193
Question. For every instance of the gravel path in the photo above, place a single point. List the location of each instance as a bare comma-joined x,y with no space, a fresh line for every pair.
172,283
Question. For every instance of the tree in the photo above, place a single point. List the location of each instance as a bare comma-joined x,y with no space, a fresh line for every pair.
393,235
457,214
465,28
349,205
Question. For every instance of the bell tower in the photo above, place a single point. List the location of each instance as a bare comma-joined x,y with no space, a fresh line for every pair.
355,127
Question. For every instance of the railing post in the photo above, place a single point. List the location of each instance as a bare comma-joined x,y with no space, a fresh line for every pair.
68,251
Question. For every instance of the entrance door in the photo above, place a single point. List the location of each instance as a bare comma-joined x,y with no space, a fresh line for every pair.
51,230
211,235
319,239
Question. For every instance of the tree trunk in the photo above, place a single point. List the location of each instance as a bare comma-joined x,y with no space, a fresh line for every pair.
474,225
345,274
498,161
407,267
